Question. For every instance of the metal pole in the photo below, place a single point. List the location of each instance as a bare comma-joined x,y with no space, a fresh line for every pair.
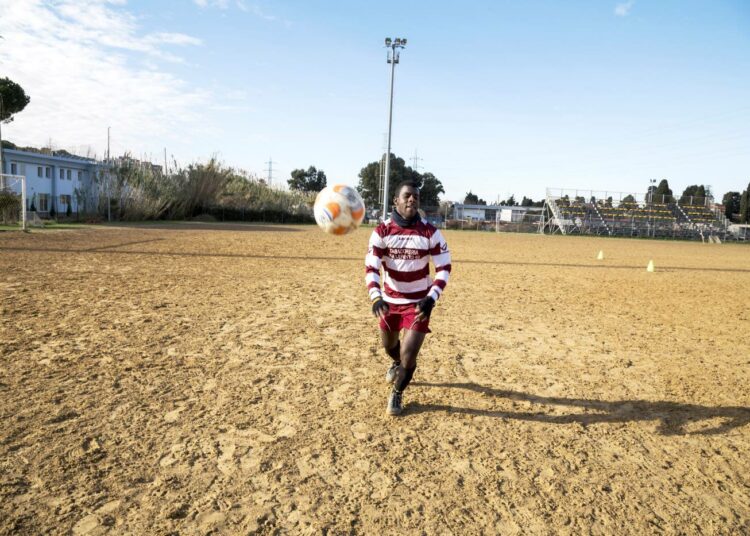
2,170
23,204
388,150
109,182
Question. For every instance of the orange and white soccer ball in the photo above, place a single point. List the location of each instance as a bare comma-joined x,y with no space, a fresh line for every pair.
339,209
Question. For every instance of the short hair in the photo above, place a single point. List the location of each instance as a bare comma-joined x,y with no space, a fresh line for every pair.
401,185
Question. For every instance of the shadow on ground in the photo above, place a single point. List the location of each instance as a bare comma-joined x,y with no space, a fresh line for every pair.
672,417
110,249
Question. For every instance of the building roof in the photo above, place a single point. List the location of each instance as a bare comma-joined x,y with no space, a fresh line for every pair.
37,156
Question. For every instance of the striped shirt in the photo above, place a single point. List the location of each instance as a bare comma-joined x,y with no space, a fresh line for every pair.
404,254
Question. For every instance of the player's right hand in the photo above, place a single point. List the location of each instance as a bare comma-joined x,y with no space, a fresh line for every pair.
380,308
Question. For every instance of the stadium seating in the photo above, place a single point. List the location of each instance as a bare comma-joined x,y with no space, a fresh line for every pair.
630,218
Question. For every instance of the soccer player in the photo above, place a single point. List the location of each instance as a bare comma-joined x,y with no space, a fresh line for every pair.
402,245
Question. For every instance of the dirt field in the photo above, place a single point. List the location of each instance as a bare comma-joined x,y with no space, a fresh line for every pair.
180,380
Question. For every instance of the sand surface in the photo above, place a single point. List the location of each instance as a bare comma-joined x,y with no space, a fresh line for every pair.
189,380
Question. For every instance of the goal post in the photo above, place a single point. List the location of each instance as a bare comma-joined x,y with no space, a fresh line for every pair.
12,194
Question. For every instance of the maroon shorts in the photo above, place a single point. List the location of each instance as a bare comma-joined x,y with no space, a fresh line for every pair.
403,316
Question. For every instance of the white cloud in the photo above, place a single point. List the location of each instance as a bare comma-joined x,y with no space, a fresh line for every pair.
242,5
221,4
623,9
255,10
86,66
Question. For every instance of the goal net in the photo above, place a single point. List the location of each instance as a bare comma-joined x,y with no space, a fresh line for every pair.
13,200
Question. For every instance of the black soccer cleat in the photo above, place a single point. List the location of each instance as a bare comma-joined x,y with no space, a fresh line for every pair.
395,405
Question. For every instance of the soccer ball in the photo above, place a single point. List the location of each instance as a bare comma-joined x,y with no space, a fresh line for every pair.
339,209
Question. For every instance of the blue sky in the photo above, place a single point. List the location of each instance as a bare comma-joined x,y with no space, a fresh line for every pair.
497,97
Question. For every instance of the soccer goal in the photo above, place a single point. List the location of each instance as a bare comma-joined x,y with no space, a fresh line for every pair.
13,200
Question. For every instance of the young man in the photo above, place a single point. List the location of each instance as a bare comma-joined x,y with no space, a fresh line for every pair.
402,245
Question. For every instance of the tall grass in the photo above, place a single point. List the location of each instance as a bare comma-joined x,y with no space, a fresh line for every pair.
137,192
10,207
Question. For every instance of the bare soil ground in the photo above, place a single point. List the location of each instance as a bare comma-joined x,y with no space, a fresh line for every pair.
197,379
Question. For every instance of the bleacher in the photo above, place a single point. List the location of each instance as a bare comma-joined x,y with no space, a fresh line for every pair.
621,214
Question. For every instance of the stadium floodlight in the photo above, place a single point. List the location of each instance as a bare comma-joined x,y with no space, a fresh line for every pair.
393,57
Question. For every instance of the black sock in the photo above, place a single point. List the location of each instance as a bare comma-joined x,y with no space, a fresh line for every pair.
395,352
404,377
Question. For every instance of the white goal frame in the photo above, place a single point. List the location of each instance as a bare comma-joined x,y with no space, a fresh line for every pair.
7,182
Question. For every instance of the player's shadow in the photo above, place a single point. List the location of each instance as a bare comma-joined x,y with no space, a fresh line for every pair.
673,417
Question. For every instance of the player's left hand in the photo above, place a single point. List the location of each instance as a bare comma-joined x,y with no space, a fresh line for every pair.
424,308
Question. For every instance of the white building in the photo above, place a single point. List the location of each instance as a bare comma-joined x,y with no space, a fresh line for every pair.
52,181
503,213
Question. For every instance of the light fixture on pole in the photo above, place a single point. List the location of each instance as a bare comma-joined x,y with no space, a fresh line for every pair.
393,56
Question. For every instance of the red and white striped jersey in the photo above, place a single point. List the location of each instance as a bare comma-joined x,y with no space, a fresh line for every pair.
404,254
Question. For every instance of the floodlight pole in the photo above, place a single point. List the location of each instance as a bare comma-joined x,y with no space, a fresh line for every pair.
393,55
2,170
651,202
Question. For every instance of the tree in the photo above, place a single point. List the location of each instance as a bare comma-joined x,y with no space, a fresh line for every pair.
527,202
731,202
312,180
473,199
446,209
660,194
369,180
693,195
429,190
745,206
510,202
628,202
14,99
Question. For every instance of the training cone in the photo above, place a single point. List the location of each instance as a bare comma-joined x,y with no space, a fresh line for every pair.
600,256
650,267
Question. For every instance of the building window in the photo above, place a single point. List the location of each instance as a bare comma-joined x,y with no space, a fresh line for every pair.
62,174
39,172
80,175
64,202
68,175
13,168
43,203
48,172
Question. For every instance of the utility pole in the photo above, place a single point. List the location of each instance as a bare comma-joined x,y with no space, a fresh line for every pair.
393,56
166,169
270,170
415,161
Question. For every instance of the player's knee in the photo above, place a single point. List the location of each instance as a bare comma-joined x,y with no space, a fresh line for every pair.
409,360
395,351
